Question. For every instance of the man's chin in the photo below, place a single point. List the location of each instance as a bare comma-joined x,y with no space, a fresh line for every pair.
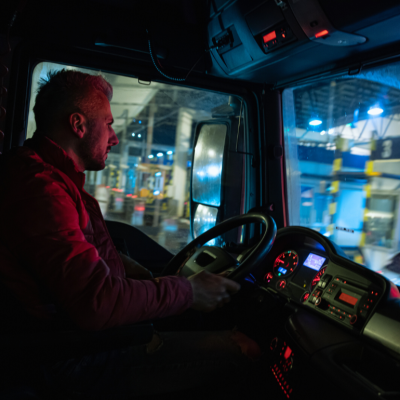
95,166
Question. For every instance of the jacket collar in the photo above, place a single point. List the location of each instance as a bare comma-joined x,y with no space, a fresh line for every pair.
51,153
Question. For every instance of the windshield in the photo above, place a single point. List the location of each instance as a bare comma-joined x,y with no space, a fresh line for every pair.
342,149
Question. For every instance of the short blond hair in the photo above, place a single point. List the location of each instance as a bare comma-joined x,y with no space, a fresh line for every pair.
65,92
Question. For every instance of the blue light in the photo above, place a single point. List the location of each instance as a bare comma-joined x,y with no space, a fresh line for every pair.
150,156
160,154
140,122
315,122
139,136
158,174
133,134
169,152
375,111
156,192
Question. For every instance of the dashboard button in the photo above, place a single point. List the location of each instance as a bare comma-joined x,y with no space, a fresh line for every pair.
318,301
353,319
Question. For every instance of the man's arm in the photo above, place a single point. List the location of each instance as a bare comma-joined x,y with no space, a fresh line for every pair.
42,226
133,269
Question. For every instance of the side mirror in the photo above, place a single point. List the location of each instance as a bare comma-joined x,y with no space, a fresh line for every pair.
207,174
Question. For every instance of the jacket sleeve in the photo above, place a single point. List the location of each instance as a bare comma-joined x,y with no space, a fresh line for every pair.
43,229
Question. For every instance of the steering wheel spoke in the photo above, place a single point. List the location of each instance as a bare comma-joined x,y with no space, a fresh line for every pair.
196,257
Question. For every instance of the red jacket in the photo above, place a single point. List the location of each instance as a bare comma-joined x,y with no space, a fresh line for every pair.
56,255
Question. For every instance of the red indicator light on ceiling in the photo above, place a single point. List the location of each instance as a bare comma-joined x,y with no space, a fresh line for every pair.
269,36
322,33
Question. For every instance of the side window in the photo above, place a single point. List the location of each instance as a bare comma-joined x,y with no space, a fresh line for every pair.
146,181
342,146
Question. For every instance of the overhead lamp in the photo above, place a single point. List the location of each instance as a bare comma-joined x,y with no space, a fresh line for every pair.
169,152
150,156
133,134
375,111
322,132
156,192
315,122
158,173
139,135
140,122
160,154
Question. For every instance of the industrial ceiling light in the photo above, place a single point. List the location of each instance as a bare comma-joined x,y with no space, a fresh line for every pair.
375,111
315,122
160,154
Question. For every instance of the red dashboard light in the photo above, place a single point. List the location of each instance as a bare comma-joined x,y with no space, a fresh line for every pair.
288,352
322,33
269,36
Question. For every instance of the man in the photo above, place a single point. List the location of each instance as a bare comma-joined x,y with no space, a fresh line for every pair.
58,260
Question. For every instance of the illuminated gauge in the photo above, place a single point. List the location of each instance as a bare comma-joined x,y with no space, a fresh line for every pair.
286,263
274,344
317,278
281,284
268,277
305,297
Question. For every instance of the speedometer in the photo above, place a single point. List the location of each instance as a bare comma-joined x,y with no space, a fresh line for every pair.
286,263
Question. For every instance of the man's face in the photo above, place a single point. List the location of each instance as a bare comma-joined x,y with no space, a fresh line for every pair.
99,138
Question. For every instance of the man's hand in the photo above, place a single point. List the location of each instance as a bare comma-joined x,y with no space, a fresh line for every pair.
134,270
211,291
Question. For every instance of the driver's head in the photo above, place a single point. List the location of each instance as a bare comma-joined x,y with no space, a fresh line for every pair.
73,109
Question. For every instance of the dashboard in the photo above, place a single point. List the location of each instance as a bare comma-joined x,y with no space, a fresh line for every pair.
346,319
311,273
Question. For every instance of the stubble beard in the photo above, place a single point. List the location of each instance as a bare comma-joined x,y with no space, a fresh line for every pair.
87,152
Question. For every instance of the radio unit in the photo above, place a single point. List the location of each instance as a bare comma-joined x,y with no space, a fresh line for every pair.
344,300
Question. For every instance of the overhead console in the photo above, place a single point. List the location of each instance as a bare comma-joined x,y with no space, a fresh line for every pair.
248,35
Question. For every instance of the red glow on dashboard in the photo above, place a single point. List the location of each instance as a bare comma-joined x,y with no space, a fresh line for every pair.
348,299
288,352
269,36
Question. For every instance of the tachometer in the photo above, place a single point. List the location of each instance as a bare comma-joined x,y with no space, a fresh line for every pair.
286,263
317,278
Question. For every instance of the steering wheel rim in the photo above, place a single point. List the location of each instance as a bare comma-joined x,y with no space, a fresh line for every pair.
257,255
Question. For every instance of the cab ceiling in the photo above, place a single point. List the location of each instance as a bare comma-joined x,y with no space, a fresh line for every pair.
180,33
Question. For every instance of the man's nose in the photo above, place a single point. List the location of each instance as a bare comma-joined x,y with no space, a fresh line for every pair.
113,140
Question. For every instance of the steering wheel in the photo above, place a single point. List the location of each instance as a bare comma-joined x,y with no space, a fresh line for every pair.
196,257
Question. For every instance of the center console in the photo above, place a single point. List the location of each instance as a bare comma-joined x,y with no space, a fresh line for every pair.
344,300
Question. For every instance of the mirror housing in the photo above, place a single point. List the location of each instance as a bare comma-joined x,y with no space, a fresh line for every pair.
207,178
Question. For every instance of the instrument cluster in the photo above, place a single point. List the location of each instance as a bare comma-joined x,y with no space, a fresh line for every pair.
303,268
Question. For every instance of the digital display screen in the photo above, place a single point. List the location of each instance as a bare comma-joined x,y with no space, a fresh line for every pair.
282,270
314,262
348,299
270,36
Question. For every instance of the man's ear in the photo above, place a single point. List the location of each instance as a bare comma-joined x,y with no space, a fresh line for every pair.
77,122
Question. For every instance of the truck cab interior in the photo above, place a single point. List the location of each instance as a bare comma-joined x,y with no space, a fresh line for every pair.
255,136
